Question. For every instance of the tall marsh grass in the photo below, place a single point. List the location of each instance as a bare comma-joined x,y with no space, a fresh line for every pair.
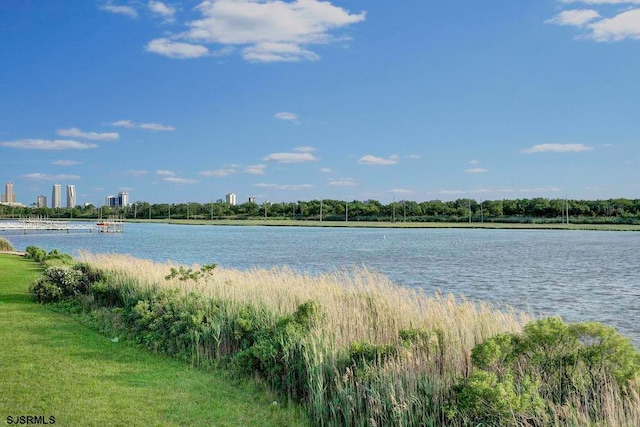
351,346
5,245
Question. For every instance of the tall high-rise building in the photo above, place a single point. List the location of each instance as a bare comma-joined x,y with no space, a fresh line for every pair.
123,199
111,201
231,199
71,196
56,196
8,196
41,201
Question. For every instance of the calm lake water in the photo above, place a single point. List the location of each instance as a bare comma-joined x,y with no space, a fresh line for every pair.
579,275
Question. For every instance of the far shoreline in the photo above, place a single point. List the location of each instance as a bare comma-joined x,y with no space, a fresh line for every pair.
391,225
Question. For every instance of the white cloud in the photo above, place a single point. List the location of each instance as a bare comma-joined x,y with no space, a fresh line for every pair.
132,173
474,162
400,191
263,30
66,163
124,124
77,133
576,18
47,177
147,126
177,50
165,11
451,192
602,1
305,149
277,52
175,180
325,170
557,148
285,187
342,182
120,10
476,170
622,26
502,190
373,160
45,144
157,126
255,170
414,156
292,117
290,157
165,173
219,173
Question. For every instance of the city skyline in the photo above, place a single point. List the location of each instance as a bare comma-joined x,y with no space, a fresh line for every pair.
321,99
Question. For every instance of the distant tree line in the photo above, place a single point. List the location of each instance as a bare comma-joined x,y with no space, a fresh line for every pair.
538,210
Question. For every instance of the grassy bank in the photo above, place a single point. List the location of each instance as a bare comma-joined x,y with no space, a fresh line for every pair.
373,224
355,349
52,366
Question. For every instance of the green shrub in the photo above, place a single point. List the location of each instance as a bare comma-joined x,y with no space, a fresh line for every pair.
550,365
36,253
45,292
278,349
52,258
59,282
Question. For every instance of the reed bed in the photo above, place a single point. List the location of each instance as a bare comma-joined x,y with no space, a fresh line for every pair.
5,245
350,345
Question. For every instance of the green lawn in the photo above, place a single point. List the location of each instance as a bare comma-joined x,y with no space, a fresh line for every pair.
52,366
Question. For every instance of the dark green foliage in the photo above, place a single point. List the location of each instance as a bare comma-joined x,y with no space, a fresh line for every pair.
54,257
59,282
276,350
184,274
364,353
36,253
45,292
550,363
169,323
105,295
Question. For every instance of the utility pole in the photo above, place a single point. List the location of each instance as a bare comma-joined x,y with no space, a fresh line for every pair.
469,211
393,207
320,210
346,211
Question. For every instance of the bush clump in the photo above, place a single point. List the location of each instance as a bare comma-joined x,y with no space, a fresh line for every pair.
58,283
546,373
54,257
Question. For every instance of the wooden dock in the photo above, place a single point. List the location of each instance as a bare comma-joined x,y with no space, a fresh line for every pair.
30,224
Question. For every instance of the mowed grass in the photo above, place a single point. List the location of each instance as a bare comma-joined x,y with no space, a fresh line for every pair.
52,366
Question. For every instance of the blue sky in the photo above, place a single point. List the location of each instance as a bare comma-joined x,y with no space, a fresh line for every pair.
180,101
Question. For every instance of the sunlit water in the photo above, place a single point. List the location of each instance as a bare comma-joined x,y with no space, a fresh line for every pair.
579,275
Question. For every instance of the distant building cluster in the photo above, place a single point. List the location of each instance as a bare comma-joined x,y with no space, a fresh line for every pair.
56,197
119,201
9,197
230,199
